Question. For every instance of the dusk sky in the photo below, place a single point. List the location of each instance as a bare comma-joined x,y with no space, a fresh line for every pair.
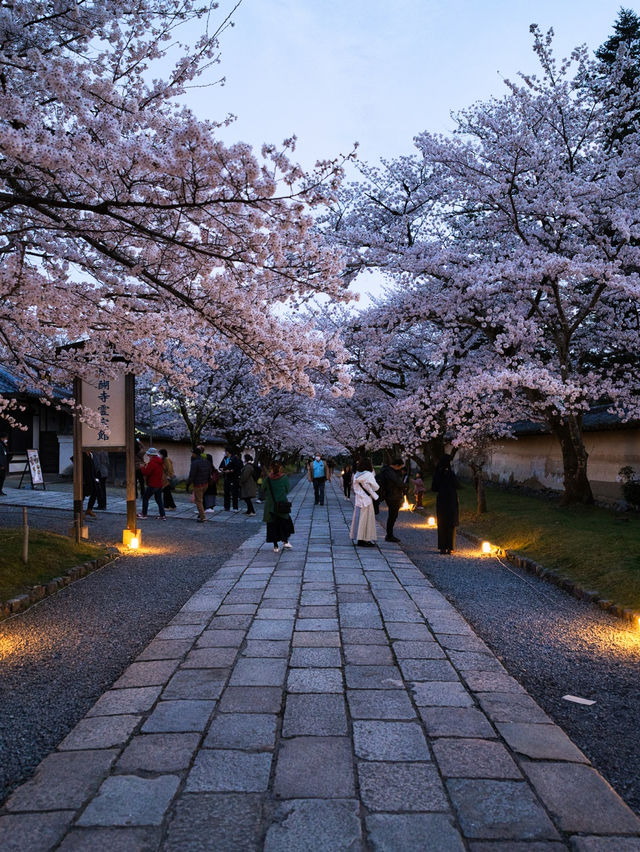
336,71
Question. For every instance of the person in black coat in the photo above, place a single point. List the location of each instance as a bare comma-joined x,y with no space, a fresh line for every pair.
230,468
445,485
89,482
392,491
5,458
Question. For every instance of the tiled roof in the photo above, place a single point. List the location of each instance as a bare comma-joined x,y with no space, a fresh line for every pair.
12,385
597,419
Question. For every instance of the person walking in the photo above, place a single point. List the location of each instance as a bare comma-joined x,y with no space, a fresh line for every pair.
211,494
347,478
101,464
89,482
275,514
445,485
5,458
418,491
318,473
168,475
392,490
199,476
365,491
153,473
230,468
248,485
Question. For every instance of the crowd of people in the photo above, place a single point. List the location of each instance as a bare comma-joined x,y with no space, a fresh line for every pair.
391,485
243,479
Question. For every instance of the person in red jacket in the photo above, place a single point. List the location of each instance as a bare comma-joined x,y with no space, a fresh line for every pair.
152,472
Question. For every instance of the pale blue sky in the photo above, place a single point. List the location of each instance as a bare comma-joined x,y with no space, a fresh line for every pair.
336,71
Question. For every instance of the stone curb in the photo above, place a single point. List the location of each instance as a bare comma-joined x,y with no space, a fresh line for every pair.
579,592
37,593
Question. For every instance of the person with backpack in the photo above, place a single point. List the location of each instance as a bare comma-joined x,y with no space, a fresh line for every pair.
318,473
199,476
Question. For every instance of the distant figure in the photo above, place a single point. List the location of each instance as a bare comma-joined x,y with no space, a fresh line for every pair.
199,476
101,463
230,468
445,485
168,474
5,458
139,461
89,482
278,521
248,485
318,473
365,491
347,477
418,491
211,494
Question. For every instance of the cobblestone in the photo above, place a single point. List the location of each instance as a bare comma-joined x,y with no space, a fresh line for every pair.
324,698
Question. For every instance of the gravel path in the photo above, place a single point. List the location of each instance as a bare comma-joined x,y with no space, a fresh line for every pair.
553,645
58,657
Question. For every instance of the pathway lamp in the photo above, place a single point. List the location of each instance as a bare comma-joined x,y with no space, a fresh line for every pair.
487,547
131,539
431,522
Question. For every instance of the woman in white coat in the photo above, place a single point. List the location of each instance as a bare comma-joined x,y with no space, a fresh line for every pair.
365,491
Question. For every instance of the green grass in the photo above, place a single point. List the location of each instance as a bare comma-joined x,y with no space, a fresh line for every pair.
594,547
50,555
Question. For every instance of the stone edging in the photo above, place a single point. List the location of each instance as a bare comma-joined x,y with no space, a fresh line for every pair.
560,580
37,593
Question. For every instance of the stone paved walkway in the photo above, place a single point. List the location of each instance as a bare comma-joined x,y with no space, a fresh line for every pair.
323,698
56,498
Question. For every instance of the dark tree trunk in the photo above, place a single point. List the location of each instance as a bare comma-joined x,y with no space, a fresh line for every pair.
478,482
577,488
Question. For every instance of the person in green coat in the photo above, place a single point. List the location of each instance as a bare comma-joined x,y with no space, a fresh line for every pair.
279,524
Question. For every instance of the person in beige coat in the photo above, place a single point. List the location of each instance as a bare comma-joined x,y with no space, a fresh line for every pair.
365,491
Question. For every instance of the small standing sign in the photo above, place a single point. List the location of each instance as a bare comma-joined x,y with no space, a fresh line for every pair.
35,470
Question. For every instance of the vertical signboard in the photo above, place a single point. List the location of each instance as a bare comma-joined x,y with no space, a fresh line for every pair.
107,397
33,458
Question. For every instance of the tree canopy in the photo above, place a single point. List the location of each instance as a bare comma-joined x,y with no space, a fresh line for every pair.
126,222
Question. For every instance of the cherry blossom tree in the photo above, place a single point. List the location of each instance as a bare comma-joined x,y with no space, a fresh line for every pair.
126,223
517,239
229,402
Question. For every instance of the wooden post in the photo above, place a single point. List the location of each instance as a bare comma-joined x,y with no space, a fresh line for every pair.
25,536
129,419
77,462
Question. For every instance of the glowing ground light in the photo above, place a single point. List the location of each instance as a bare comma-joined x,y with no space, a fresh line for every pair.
406,505
431,521
486,547
131,539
